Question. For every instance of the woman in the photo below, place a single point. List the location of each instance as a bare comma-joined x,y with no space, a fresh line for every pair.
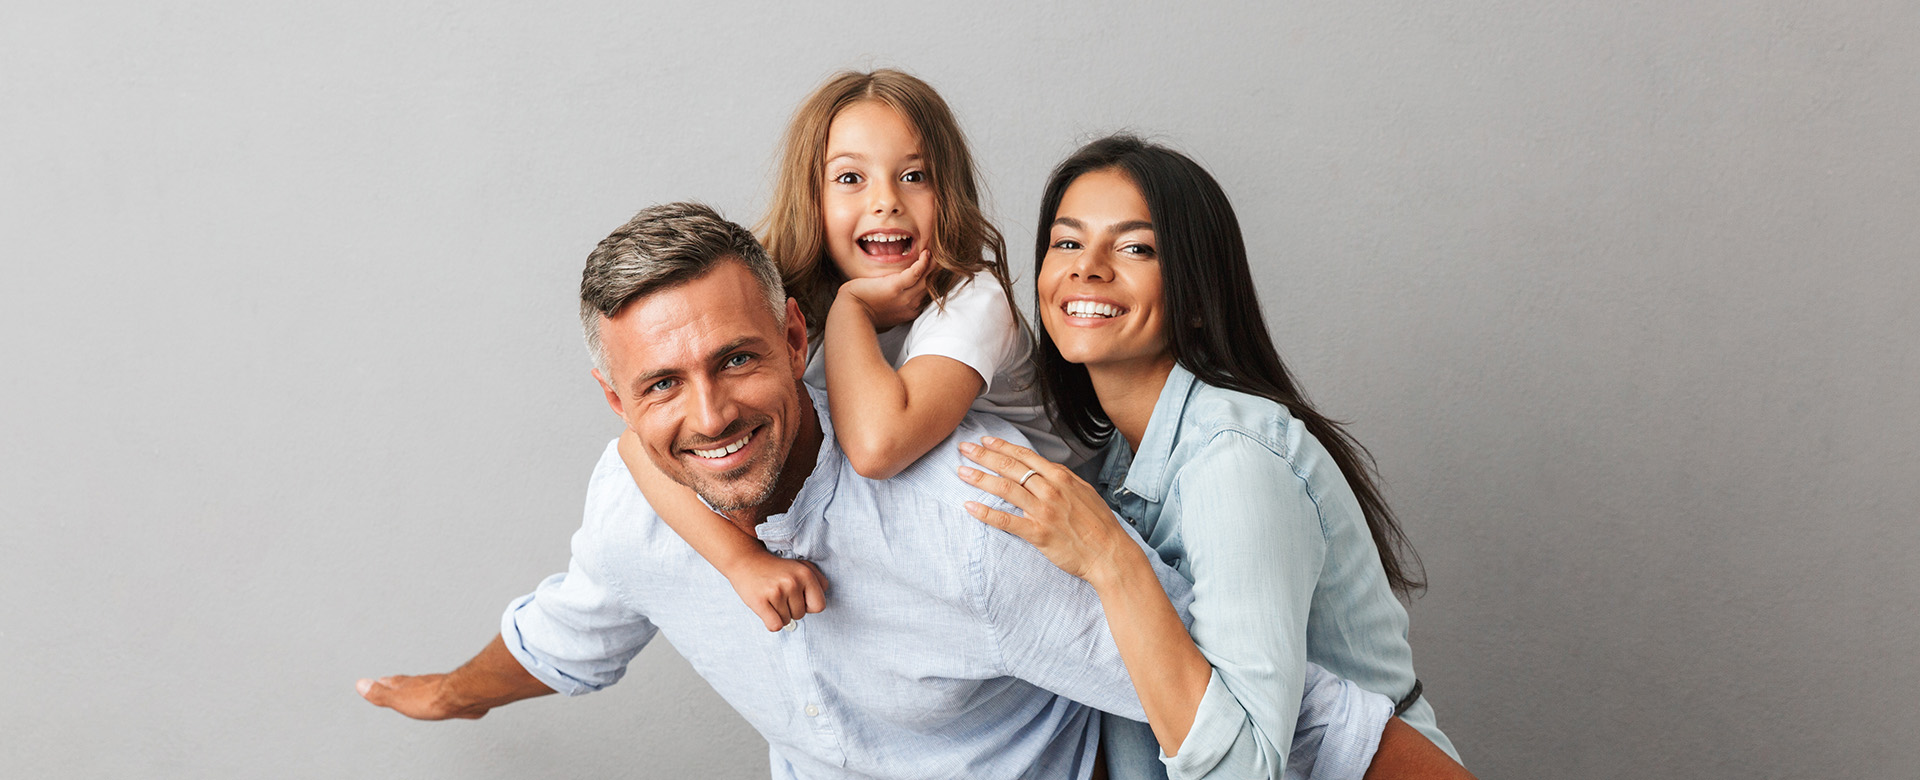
1154,347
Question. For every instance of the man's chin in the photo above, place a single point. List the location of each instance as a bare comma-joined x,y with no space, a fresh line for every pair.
734,490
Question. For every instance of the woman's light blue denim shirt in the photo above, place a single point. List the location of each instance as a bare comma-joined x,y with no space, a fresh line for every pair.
1235,494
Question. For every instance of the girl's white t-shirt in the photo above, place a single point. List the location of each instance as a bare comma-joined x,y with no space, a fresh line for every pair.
977,328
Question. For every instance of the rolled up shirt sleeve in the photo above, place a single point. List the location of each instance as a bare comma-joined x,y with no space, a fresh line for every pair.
573,632
1255,546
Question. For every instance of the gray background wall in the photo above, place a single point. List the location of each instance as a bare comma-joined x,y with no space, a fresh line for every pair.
1622,295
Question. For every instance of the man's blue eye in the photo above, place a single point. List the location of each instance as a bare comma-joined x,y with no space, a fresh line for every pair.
738,360
660,386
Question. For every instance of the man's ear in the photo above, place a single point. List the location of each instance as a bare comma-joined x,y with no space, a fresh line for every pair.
797,337
613,398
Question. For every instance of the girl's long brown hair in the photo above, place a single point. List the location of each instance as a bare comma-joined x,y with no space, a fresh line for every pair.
963,242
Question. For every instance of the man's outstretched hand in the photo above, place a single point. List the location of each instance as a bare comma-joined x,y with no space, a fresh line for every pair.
492,678
419,697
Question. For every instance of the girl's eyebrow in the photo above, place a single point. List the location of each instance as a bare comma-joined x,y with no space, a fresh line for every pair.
858,157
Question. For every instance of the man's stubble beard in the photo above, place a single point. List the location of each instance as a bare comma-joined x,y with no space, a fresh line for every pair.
758,479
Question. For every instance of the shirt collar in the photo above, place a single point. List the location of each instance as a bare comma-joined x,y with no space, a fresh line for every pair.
1140,473
817,490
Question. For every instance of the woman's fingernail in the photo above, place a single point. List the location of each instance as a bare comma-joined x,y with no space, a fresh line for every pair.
968,474
990,441
969,447
975,509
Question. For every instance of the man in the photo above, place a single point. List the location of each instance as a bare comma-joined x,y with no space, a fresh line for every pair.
951,649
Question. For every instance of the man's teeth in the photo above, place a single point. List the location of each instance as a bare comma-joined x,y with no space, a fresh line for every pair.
1092,309
725,451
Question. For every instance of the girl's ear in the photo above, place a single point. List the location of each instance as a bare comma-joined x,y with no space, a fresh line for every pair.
796,337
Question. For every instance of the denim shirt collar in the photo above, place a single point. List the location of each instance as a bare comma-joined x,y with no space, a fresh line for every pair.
817,491
1141,473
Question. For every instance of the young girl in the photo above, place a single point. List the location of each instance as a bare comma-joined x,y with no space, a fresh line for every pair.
877,230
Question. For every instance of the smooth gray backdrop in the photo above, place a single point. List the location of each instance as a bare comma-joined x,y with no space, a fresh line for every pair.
1623,296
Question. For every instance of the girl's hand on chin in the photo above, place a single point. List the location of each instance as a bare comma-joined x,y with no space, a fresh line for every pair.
892,299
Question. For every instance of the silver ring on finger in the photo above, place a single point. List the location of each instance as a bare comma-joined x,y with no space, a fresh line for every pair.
1027,476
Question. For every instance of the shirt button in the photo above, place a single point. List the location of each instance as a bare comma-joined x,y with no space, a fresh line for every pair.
789,626
812,711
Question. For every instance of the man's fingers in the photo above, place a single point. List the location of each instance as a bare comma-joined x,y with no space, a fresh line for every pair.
371,691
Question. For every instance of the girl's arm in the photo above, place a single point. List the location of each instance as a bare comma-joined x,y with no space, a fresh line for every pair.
777,589
886,419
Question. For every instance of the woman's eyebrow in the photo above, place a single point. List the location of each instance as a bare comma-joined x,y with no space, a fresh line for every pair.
1069,222
1131,225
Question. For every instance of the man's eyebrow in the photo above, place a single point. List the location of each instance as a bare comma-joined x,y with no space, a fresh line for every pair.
641,382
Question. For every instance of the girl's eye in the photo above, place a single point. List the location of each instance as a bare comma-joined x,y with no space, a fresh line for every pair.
847,178
913,177
1066,243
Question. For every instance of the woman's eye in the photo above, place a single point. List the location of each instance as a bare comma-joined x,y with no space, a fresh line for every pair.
847,178
1066,243
1141,250
913,177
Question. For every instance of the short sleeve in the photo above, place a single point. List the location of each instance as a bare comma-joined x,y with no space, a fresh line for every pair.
975,326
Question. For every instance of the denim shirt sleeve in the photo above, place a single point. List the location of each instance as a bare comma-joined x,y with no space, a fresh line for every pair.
1255,546
1050,627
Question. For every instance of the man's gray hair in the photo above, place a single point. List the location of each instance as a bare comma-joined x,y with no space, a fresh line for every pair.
661,247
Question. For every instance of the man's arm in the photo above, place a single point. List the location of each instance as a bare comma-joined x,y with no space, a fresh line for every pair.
492,678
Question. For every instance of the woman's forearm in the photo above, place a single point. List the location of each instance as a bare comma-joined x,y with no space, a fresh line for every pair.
1167,669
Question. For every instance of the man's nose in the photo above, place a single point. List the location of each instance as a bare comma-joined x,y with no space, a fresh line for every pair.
713,409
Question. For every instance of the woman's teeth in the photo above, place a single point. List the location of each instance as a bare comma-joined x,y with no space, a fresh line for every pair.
1092,309
725,451
886,244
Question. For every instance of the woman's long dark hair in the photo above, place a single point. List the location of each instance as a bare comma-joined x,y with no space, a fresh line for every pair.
1214,326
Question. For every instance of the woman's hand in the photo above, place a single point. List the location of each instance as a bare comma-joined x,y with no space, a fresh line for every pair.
1066,520
892,299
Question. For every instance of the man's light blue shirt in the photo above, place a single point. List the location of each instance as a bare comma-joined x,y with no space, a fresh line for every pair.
948,648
